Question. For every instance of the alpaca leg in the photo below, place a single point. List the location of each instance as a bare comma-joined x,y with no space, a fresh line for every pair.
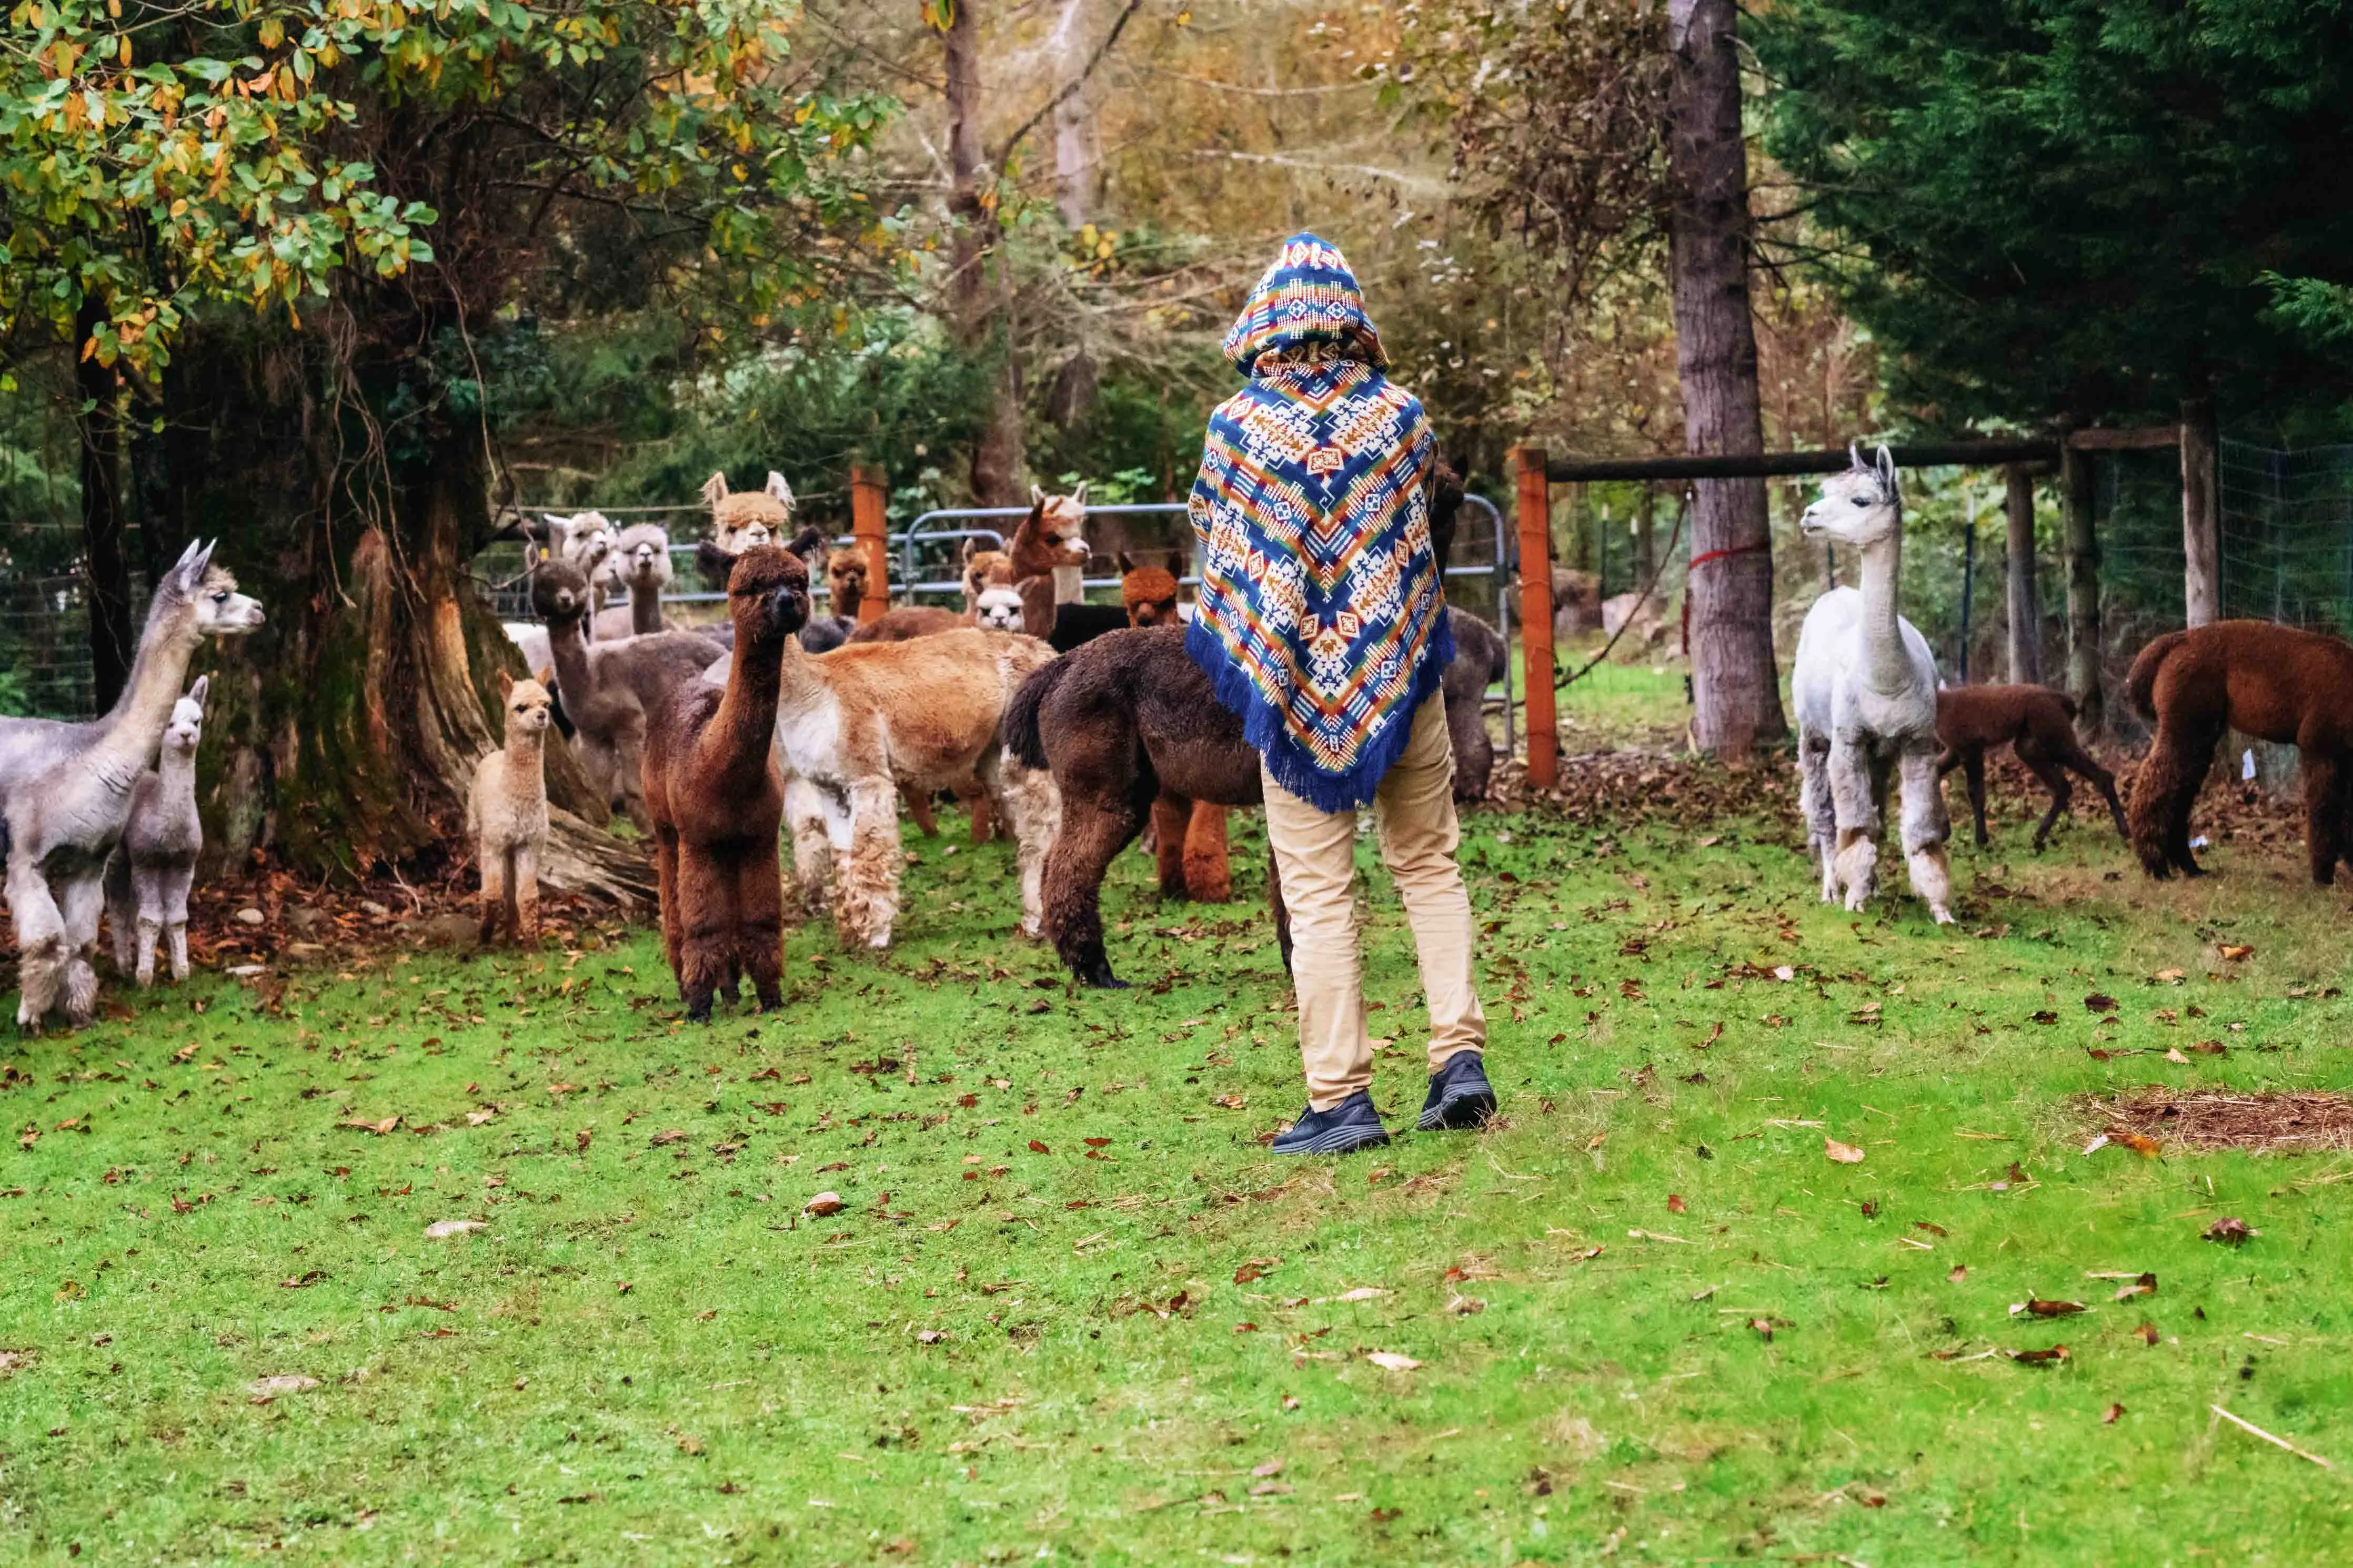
176,882
2324,812
1854,804
493,861
2054,779
1814,807
2164,793
1208,860
121,909
760,921
810,816
1094,830
83,903
666,889
522,894
706,940
1973,775
40,943
1925,827
918,803
1171,815
976,801
866,896
1032,809
2102,780
150,913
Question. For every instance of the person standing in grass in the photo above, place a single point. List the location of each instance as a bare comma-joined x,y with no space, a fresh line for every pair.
1322,625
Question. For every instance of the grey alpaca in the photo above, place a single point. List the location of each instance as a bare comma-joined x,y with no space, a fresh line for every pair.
1480,659
638,568
65,790
609,687
150,872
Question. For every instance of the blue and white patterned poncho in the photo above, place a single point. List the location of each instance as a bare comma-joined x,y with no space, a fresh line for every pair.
1320,619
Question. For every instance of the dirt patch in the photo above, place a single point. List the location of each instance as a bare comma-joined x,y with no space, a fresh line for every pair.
2219,1119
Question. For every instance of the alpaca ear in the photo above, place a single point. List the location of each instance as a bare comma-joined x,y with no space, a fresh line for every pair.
196,692
805,543
1037,495
1079,495
714,489
1886,472
780,488
715,561
1119,559
193,565
546,678
971,549
506,683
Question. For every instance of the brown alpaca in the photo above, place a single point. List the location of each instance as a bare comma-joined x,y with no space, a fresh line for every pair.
1048,559
2041,722
1128,723
983,569
716,798
508,812
1148,593
2279,684
846,580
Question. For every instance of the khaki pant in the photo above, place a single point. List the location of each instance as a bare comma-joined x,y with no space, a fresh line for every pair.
1315,852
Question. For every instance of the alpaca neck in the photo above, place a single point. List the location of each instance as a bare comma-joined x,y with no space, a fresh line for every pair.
177,771
525,751
745,724
1069,585
645,609
800,681
128,733
567,646
1886,666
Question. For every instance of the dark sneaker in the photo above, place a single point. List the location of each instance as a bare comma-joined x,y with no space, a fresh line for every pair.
1348,1126
1459,1094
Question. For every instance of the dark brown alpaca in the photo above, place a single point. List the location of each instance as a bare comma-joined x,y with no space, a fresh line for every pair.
717,801
1125,723
2041,722
2279,684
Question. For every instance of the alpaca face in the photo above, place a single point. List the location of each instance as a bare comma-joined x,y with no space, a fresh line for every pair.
998,609
749,519
1150,594
584,539
529,709
1861,506
187,724
221,610
844,575
768,595
1056,529
641,558
982,570
559,591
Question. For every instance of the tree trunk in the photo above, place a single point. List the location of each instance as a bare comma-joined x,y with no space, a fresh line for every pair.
106,570
344,734
1077,144
2025,600
2201,526
972,205
2083,591
1736,688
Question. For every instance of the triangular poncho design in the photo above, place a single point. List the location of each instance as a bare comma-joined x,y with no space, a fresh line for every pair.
1320,619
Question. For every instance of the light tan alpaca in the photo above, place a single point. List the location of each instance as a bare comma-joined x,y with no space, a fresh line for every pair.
864,721
508,812
745,518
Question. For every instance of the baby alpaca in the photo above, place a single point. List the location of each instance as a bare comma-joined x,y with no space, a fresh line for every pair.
149,874
508,812
1972,719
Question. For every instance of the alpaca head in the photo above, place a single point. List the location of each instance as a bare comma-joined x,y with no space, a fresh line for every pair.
205,597
1149,592
641,558
845,576
529,709
998,608
1052,534
584,539
748,519
767,595
983,569
1861,506
187,724
559,591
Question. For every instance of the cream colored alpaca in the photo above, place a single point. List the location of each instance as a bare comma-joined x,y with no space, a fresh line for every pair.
508,812
857,726
743,518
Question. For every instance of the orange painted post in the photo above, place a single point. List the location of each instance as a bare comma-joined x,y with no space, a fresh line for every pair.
1535,617
869,495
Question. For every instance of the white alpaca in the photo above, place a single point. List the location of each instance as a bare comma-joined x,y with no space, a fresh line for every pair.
1865,686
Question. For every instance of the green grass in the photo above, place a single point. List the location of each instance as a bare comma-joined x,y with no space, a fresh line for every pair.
1003,1348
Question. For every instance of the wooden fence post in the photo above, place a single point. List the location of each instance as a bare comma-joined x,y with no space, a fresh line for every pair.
2201,526
1535,617
870,496
2082,558
2025,600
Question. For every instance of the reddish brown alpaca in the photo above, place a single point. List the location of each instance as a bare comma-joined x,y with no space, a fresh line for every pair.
2275,683
2041,722
717,800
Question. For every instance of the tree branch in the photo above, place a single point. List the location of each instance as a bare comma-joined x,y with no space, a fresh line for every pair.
1068,87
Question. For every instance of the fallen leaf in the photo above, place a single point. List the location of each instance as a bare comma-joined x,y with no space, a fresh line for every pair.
2234,952
440,1230
378,1128
1844,1154
1389,1361
1038,1148
2046,1308
1271,1467
824,1204
2168,976
2144,1286
1361,1293
1675,1204
1255,1268
2041,1358
1961,1272
929,1336
2095,1002
265,1389
2113,1411
1466,1306
1764,1326
672,1135
2148,1332
2230,1231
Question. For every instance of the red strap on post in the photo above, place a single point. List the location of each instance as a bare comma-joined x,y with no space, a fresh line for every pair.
1699,561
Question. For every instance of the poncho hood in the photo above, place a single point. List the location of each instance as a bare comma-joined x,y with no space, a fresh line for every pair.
1320,620
1308,297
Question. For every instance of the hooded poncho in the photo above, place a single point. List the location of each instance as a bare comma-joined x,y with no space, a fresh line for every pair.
1320,618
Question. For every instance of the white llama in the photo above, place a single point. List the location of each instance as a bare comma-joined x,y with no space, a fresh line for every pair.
1865,687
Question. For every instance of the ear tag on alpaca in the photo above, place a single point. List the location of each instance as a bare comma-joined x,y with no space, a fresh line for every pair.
2247,765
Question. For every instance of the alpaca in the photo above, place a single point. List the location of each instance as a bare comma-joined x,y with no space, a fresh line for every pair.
65,789
1047,557
2281,684
1864,686
910,621
150,872
847,583
860,725
2041,722
1147,595
609,689
637,568
506,812
982,570
745,520
1124,724
1479,661
716,800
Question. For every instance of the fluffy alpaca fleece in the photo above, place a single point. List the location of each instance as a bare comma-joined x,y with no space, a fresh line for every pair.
610,688
910,621
855,727
745,520
2041,722
506,812
150,871
1148,594
1865,689
982,570
2280,684
712,790
1126,723
636,571
1479,661
849,583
